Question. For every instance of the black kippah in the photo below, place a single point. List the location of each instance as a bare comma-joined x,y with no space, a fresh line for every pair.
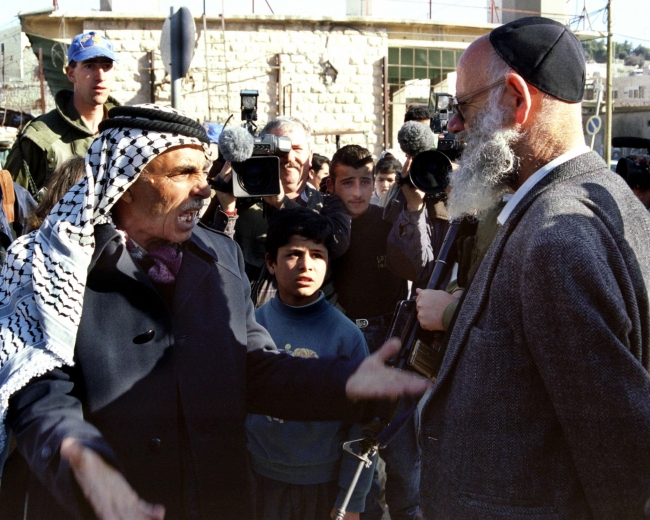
545,53
154,120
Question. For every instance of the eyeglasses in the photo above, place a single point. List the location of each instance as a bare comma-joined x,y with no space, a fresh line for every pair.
455,103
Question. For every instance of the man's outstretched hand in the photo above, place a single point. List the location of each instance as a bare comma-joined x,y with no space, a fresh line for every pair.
376,380
107,491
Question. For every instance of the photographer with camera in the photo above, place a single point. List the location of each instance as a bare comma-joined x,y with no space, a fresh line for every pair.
253,214
415,217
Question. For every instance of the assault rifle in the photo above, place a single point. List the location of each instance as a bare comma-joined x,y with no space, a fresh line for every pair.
420,352
420,348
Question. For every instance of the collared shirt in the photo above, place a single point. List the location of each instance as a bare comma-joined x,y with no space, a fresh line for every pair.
535,178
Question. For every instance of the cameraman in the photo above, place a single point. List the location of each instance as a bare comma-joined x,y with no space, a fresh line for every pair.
419,223
636,172
252,224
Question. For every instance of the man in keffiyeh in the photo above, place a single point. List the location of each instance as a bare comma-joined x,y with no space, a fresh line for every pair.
129,352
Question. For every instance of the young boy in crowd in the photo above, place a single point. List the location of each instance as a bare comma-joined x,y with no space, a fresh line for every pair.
386,171
366,288
319,170
299,468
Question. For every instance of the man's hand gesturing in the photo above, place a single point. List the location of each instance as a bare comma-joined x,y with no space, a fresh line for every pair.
376,380
107,491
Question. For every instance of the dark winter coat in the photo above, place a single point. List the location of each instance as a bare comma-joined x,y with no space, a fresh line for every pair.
163,393
542,405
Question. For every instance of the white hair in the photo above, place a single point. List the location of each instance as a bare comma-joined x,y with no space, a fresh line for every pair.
287,124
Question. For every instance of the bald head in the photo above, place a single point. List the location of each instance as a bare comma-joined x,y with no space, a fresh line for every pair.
548,126
511,129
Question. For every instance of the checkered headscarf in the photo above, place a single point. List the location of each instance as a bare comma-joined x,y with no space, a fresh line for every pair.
44,277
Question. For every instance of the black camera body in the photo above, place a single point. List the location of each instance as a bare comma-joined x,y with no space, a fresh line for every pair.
450,146
635,169
259,176
429,173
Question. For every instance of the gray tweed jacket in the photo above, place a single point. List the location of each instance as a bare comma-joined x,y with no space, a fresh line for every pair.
542,406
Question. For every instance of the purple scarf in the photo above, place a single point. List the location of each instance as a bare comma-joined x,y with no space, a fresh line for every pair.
161,263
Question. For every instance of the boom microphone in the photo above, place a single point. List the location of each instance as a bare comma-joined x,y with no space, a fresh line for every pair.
415,137
236,144
631,142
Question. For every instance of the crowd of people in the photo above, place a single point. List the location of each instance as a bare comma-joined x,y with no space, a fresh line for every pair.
172,351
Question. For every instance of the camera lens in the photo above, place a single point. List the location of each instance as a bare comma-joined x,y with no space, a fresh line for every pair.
258,176
430,172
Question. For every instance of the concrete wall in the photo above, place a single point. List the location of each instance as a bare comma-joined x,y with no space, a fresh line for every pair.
324,81
21,90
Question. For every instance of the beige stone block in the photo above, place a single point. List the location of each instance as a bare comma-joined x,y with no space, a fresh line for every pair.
325,99
114,34
338,87
130,45
307,69
345,98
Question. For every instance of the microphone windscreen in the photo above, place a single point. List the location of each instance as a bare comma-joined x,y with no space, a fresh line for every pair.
631,142
236,144
415,137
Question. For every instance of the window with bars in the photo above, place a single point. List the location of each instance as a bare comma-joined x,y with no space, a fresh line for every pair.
406,63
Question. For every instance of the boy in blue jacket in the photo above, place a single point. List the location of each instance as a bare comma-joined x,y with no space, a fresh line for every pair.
300,470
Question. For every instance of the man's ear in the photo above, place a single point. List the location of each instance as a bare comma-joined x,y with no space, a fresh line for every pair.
330,184
270,265
520,96
69,71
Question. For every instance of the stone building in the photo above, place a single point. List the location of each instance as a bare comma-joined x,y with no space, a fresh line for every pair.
340,75
21,90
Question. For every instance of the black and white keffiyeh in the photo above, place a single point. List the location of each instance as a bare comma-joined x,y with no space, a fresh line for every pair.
44,277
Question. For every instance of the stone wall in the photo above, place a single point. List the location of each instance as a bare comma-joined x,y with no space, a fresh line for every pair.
21,90
331,75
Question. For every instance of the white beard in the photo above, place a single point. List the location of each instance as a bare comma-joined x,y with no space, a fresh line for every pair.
487,165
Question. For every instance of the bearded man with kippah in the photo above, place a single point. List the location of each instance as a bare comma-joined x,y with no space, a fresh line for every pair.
129,352
541,408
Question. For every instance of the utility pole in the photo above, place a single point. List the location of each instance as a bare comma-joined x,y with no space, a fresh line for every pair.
207,61
41,78
608,91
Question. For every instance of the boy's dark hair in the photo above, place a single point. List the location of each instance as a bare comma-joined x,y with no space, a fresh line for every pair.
351,155
303,222
388,165
417,113
66,175
317,162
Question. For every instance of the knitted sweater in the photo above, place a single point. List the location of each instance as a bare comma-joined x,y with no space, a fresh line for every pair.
299,452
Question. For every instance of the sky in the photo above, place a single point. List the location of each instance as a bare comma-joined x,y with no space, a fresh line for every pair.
628,25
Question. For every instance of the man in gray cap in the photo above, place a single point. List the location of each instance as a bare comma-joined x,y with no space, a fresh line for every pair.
70,128
541,408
